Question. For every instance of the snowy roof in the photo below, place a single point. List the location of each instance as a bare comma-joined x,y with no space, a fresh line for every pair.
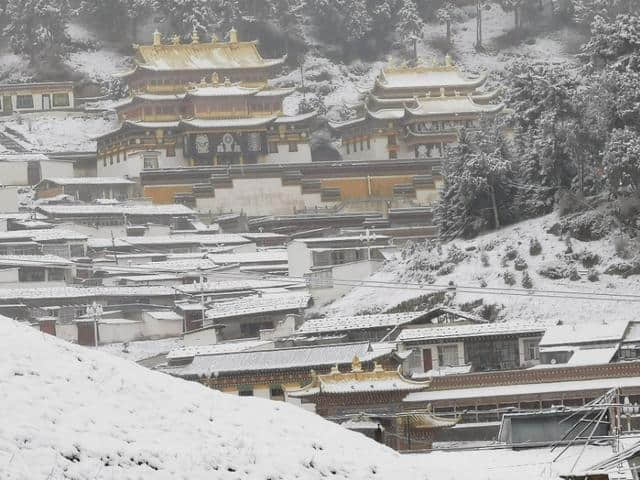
259,235
50,261
228,123
275,92
168,315
89,181
106,406
84,292
23,157
222,90
356,322
592,356
282,359
584,333
426,77
239,285
265,256
218,348
386,113
159,240
296,118
473,330
202,56
177,266
377,380
352,238
44,235
524,389
258,304
170,209
450,105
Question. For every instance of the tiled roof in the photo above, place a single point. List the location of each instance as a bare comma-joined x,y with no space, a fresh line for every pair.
172,209
227,347
282,359
426,77
34,261
47,234
202,56
356,322
473,330
258,304
584,333
84,292
159,240
89,181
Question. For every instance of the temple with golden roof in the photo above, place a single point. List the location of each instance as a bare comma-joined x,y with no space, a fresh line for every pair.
413,112
202,104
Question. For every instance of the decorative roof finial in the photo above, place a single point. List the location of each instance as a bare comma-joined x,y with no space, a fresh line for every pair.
233,35
157,38
356,365
448,61
175,39
214,38
214,78
195,38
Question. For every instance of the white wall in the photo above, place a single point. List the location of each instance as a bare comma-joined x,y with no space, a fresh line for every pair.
134,164
303,154
120,332
55,168
207,336
258,196
67,331
349,271
37,101
9,276
156,328
14,173
8,199
300,258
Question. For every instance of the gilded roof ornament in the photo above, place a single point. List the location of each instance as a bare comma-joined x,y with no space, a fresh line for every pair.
356,365
195,38
175,39
448,61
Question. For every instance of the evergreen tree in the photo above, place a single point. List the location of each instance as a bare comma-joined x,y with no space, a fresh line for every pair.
409,26
37,28
478,184
622,161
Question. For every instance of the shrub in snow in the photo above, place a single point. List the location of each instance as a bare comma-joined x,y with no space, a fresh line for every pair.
593,275
588,259
483,283
535,247
569,245
589,225
573,274
621,246
455,254
510,253
526,280
520,264
509,278
446,269
484,258
554,270
555,229
624,269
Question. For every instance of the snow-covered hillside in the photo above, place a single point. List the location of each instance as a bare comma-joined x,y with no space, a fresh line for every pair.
69,412
482,263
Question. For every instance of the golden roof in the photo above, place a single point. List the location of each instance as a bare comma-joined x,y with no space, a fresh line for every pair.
202,56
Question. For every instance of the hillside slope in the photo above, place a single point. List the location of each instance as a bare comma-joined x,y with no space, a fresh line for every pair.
72,413
481,264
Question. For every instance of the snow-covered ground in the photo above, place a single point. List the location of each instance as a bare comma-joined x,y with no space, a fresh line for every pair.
70,412
517,304
60,131
136,351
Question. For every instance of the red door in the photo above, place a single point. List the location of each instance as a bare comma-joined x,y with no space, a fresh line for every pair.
426,359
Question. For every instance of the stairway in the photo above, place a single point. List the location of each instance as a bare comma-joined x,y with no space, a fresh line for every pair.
10,144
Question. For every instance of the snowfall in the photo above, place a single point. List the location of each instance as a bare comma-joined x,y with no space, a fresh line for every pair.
69,412
602,299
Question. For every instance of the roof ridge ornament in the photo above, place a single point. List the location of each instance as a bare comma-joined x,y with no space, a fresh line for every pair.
195,38
356,364
175,39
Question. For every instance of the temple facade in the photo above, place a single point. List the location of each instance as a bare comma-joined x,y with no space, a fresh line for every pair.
414,112
202,104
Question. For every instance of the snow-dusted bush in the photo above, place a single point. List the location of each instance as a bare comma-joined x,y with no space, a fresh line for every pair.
593,275
527,282
624,269
573,274
520,263
509,278
510,253
587,226
484,258
588,259
535,247
554,270
455,254
446,269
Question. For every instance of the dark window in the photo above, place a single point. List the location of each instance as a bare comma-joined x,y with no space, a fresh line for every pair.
245,391
104,162
60,99
251,330
368,144
55,274
293,147
273,148
24,101
276,392
348,148
393,154
391,140
31,274
110,159
171,151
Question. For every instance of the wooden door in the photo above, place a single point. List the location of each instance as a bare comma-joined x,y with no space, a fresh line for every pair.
427,361
7,104
46,102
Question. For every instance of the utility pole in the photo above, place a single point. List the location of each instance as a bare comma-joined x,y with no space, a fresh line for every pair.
478,24
495,207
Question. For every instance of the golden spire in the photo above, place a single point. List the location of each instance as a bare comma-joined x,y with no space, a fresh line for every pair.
356,365
175,39
157,38
233,35
195,38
